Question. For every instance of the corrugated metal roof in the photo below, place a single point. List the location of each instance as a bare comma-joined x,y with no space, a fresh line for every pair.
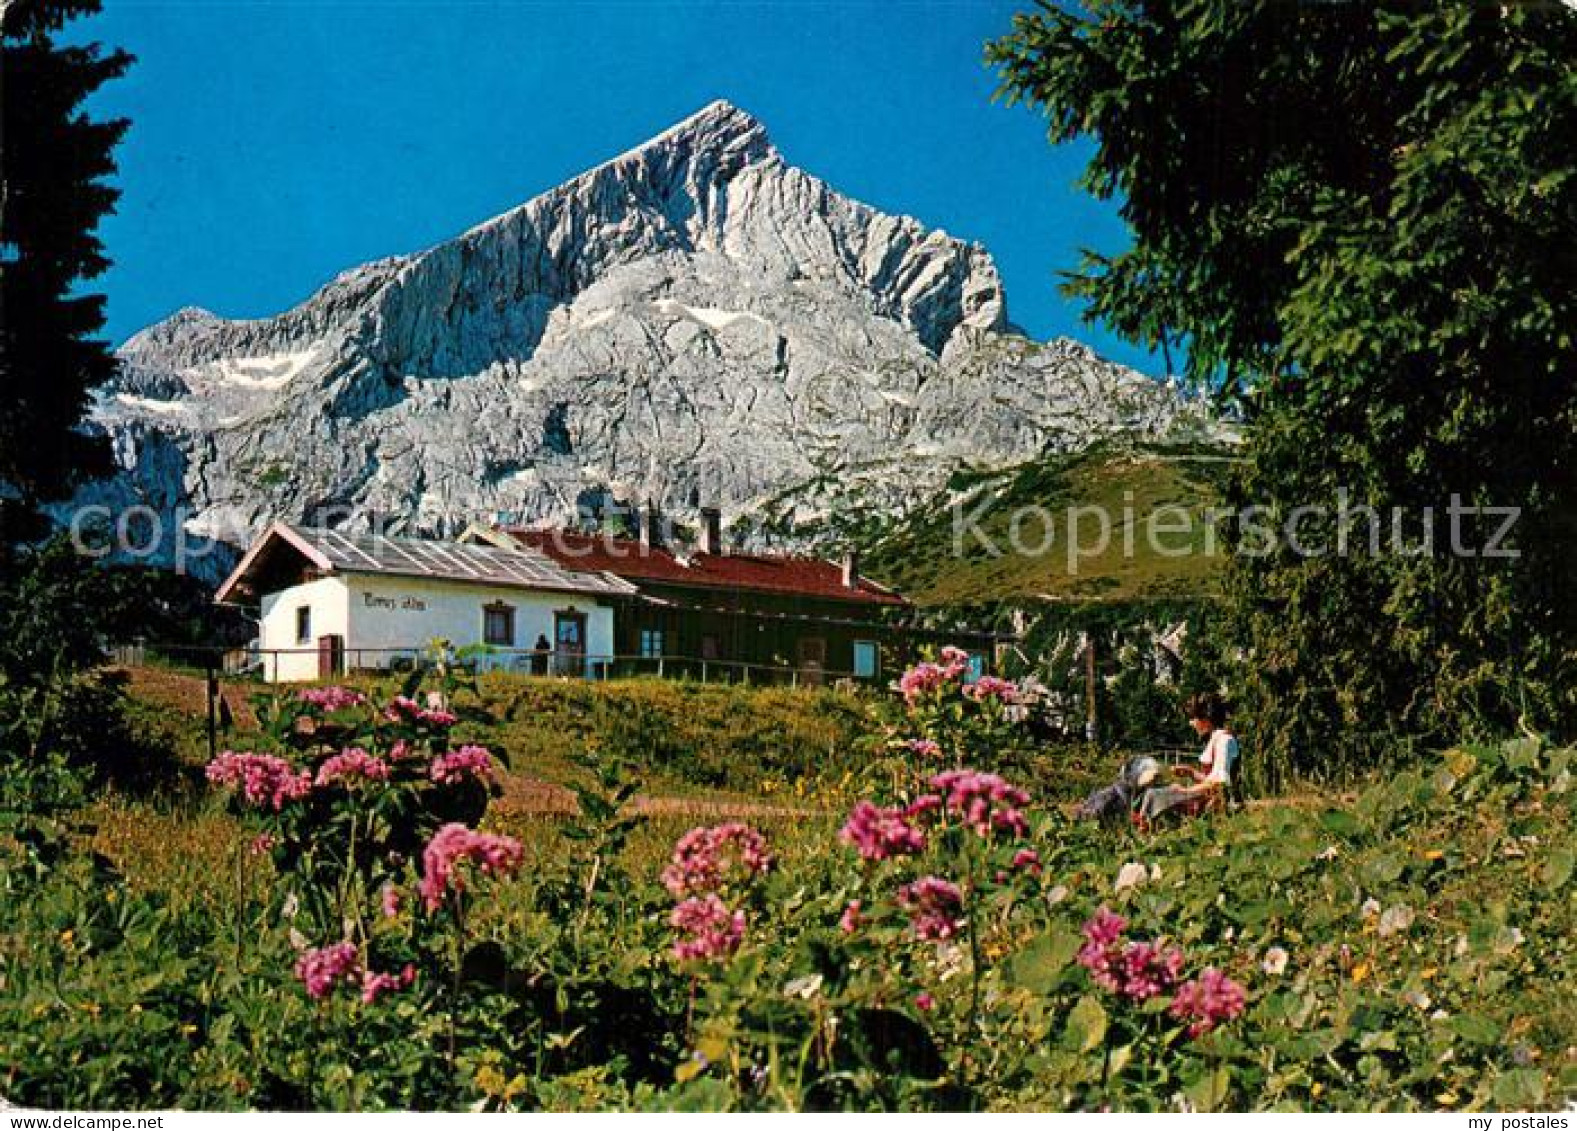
768,573
339,552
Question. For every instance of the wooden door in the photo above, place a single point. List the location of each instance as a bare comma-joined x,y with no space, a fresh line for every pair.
569,642
331,656
812,658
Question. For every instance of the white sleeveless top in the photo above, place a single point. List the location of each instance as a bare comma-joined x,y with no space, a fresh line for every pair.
1220,754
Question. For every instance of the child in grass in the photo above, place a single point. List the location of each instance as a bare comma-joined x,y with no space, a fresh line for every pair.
1207,714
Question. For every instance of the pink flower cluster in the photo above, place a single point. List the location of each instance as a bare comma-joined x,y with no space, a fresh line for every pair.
351,766
925,747
985,802
921,680
708,930
1143,970
989,687
1028,860
706,858
1137,970
390,901
264,779
374,984
850,920
330,698
1207,1001
458,765
403,709
927,677
954,660
935,906
877,833
494,855
322,969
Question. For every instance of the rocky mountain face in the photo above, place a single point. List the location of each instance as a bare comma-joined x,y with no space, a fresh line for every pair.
695,322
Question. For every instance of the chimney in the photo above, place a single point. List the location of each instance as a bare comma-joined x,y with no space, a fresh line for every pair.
851,570
711,530
651,528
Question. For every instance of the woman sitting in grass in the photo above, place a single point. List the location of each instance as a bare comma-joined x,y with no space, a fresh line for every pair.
1207,714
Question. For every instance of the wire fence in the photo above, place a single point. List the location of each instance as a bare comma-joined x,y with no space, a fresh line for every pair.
307,663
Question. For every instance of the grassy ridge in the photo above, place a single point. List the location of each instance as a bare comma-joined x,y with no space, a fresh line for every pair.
918,557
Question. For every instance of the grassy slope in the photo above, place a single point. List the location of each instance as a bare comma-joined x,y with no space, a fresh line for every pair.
918,559
1448,991
689,739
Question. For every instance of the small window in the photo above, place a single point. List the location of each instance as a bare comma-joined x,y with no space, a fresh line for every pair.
651,643
304,624
498,626
866,659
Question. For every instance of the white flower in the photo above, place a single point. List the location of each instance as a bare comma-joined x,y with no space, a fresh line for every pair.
1331,852
1275,960
1057,894
1417,998
806,986
1131,876
1370,908
951,958
1396,919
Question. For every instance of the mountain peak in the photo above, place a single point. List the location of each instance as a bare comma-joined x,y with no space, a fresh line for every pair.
719,127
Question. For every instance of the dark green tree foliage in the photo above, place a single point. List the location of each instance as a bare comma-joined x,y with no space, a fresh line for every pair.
56,161
1362,219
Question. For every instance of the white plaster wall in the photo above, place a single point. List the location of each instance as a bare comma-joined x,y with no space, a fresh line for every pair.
294,661
405,613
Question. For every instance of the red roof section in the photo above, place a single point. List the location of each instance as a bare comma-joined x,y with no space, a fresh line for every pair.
770,573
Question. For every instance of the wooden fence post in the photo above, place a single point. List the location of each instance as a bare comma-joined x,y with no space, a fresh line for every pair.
213,707
1091,728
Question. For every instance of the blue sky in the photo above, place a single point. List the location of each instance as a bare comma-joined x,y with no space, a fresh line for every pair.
276,143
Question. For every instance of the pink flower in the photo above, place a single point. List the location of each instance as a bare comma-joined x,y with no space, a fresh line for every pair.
351,766
1207,1001
403,709
921,680
708,930
955,661
924,1002
1027,860
330,699
374,985
877,833
705,858
1146,969
265,780
320,969
989,687
1105,927
925,747
984,802
454,843
262,844
849,921
458,765
935,906
391,901
1139,970
402,750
